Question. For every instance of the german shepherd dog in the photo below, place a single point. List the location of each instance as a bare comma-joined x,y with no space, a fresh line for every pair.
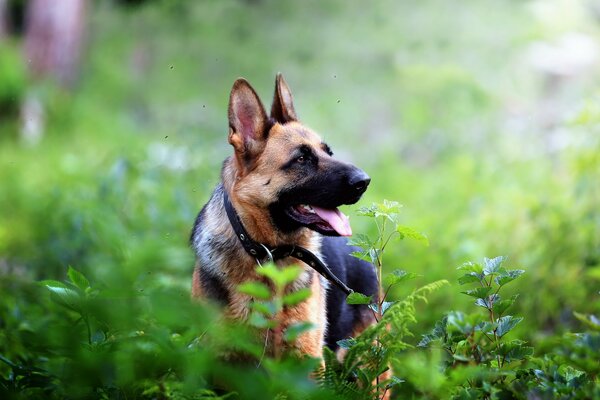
284,185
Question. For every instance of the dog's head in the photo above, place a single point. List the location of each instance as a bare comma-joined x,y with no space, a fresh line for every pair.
284,170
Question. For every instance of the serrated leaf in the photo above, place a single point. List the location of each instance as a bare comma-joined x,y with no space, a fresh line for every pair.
358,298
362,255
478,293
501,306
472,267
488,302
366,211
438,332
257,290
78,279
470,278
386,305
508,276
361,240
293,331
279,277
492,265
506,323
374,255
458,320
291,299
398,276
346,344
408,232
485,326
514,350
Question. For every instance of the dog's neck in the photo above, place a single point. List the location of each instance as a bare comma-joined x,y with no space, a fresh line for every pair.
257,220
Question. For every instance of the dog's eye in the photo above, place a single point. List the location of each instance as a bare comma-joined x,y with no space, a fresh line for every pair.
301,159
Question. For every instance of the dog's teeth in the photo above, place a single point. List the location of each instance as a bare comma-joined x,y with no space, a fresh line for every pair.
308,208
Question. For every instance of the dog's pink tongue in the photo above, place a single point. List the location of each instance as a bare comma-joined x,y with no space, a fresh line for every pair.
336,219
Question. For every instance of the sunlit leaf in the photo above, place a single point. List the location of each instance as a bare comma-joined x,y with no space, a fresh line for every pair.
508,276
479,293
472,267
506,323
492,265
255,289
78,279
408,232
293,331
358,298
291,299
398,276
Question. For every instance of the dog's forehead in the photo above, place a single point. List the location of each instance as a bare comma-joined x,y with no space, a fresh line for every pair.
295,133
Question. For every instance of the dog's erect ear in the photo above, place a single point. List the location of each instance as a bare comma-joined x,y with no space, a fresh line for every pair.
247,120
282,109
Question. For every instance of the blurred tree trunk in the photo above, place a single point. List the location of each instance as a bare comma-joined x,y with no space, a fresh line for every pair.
54,36
3,19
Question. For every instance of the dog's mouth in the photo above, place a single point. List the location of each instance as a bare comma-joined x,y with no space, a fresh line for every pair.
327,221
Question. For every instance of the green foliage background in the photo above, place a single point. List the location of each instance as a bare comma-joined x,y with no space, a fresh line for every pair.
447,106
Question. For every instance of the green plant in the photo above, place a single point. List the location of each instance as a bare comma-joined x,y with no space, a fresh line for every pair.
267,304
480,340
364,370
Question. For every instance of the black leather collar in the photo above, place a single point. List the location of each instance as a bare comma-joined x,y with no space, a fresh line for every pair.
262,253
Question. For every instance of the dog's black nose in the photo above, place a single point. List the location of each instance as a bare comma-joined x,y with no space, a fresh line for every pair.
359,180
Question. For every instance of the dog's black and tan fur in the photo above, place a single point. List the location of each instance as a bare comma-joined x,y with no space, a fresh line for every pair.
280,167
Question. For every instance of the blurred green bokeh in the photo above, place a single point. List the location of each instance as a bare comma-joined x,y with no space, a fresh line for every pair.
482,118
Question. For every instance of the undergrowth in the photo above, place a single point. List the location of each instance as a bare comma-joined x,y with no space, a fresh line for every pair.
98,341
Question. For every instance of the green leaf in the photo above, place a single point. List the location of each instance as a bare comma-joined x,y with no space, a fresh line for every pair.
279,277
478,293
78,279
394,380
508,276
505,324
438,332
492,265
291,299
486,327
590,321
501,306
469,278
255,289
293,331
472,267
367,211
346,344
514,350
363,255
361,240
63,295
386,305
358,298
374,255
459,321
407,232
397,276
259,321
488,301
267,308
